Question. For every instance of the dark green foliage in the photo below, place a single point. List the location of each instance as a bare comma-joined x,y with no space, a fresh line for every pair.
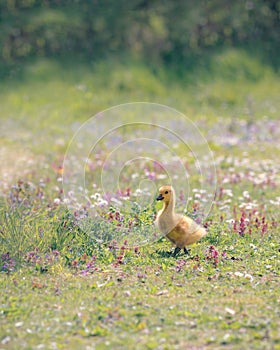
169,30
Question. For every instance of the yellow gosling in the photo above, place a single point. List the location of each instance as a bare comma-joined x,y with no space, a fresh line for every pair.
179,229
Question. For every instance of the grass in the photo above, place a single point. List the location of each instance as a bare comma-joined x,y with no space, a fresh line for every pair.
63,287
149,301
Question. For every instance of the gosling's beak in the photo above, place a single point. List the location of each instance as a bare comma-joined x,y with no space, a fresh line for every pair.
160,197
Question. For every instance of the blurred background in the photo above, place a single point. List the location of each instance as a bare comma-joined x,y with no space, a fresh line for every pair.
166,32
63,61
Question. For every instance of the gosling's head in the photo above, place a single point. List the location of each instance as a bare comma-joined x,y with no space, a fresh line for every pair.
165,194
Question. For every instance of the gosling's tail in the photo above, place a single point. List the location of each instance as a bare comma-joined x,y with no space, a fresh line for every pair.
201,231
196,229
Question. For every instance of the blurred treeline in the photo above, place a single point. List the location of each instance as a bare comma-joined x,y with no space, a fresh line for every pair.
166,30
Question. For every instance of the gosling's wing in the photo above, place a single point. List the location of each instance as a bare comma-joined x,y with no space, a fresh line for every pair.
189,230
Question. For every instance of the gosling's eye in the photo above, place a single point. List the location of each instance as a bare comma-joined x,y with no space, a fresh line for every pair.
166,192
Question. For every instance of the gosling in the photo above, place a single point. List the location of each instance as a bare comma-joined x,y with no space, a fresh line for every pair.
179,229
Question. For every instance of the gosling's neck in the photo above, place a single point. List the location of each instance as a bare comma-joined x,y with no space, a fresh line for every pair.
166,219
168,207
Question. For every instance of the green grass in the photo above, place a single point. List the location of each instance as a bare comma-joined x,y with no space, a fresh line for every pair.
48,89
62,289
147,303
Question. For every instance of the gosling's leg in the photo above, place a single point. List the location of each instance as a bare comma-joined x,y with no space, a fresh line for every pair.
186,251
176,251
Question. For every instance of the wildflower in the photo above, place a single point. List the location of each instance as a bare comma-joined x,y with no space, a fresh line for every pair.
264,227
56,201
180,264
118,261
8,263
141,275
113,246
242,225
212,255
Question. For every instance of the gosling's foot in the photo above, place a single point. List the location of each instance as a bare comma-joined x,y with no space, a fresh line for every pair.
176,251
186,251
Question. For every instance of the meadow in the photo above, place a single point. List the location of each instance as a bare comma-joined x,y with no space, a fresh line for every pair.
67,285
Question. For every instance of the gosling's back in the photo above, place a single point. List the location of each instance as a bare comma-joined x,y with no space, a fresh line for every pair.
186,232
